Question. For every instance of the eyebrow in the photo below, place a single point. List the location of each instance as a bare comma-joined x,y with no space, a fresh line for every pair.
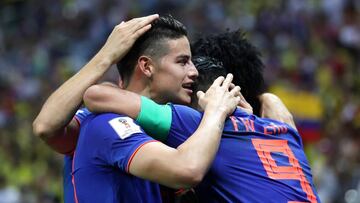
183,56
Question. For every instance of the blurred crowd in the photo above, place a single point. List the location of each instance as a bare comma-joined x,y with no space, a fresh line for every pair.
311,49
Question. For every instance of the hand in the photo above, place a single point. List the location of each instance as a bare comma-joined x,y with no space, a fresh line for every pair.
124,36
272,107
244,105
219,98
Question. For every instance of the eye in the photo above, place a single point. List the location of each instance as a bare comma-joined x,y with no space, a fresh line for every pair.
183,62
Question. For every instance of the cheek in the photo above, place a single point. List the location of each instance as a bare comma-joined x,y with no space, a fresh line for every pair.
176,76
168,83
172,76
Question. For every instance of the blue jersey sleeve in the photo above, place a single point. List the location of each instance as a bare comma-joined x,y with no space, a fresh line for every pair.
171,124
81,114
121,136
185,121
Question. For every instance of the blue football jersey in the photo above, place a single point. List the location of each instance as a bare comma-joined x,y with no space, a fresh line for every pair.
259,160
112,183
68,188
104,151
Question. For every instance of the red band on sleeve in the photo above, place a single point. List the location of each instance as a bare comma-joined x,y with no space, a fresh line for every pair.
77,120
137,149
180,191
73,179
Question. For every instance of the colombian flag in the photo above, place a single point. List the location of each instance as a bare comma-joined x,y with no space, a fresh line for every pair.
306,108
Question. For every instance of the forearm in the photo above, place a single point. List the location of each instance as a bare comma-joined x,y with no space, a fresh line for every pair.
185,166
200,149
105,98
60,107
64,140
56,113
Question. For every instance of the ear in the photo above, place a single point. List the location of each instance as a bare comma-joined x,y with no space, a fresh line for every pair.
146,65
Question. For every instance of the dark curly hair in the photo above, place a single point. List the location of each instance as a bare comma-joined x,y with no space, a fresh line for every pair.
240,58
209,69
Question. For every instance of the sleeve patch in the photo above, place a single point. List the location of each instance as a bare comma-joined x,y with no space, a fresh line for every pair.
124,127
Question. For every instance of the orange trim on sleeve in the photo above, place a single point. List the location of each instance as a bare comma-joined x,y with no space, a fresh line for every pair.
137,149
183,191
73,179
77,120
180,191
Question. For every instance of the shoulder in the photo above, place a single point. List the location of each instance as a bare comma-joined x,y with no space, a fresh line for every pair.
269,121
185,121
111,124
107,118
185,111
81,115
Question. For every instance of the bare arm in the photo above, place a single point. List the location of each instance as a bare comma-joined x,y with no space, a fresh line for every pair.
101,98
272,107
106,98
177,168
187,165
54,123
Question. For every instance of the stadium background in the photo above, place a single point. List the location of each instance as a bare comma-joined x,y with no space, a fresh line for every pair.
310,48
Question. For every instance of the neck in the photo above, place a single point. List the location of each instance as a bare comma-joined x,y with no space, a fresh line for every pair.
139,86
143,87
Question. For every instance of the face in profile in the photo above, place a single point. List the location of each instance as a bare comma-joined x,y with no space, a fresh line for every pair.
174,74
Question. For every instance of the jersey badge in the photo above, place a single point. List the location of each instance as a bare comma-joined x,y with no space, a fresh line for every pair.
124,127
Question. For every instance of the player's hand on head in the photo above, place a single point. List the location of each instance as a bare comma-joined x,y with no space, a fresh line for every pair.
124,36
220,97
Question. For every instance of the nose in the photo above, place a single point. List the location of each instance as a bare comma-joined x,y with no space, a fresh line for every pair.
192,72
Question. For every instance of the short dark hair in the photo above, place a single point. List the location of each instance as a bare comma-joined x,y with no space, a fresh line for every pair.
240,58
209,69
151,43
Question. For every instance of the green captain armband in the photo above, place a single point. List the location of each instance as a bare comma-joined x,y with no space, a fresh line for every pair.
154,118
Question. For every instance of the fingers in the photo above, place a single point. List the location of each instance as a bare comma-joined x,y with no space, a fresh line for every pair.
147,19
200,94
242,97
247,110
238,99
218,81
232,85
139,23
244,104
227,82
141,31
235,91
243,100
